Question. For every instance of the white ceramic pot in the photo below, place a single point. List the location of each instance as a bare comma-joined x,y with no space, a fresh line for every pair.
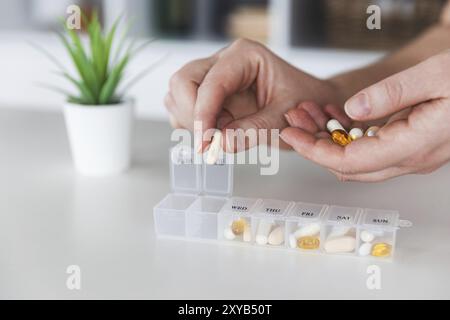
100,137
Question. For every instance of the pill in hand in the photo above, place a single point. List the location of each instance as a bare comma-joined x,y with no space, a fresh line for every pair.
372,131
214,148
356,133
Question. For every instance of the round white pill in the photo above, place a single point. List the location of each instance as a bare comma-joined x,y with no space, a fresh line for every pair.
261,240
365,249
228,234
367,236
356,133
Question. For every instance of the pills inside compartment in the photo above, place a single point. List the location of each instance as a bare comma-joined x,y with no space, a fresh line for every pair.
376,242
269,222
341,230
234,222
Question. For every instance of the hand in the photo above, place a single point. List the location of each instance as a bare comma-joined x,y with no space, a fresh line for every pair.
243,86
415,139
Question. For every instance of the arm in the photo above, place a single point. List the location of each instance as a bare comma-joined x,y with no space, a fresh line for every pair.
431,42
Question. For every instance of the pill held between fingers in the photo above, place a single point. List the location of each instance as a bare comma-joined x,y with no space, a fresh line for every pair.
214,148
365,249
356,133
307,230
228,234
276,237
342,244
367,236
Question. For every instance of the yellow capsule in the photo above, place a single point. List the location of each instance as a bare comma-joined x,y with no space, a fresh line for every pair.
338,133
308,243
372,131
238,226
381,250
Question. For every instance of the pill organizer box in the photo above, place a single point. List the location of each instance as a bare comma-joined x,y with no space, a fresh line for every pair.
201,207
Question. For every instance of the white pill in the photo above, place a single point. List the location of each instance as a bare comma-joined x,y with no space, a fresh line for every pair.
356,133
276,237
247,236
339,231
372,131
308,230
292,241
263,231
334,125
342,244
367,236
228,234
365,249
214,148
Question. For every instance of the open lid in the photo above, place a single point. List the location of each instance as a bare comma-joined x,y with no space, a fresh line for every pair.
185,173
218,178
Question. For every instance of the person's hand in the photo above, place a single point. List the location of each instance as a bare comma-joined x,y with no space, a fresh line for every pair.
415,139
244,86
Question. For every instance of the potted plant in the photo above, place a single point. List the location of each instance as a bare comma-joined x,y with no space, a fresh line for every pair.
99,118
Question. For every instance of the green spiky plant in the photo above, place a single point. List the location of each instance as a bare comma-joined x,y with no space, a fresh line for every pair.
99,70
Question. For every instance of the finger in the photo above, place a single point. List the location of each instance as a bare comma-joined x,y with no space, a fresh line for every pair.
397,92
361,156
401,115
338,113
316,112
251,126
377,176
183,89
227,77
299,118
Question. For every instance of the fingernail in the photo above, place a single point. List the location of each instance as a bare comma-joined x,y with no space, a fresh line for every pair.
288,118
358,106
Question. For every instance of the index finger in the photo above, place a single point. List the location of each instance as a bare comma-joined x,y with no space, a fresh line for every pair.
227,77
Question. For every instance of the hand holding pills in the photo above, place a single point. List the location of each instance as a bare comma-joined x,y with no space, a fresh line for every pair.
414,137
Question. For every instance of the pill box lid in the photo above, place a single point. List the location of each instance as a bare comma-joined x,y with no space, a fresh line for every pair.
217,179
273,208
185,170
343,215
380,218
307,212
240,206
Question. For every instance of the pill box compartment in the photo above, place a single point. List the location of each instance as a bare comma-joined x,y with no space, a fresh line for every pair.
304,226
269,222
201,217
185,176
377,233
234,220
169,214
217,186
341,233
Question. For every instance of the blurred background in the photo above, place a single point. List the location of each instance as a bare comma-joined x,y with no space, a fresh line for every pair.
321,36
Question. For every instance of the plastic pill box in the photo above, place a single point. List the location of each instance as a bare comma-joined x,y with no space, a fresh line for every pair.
201,207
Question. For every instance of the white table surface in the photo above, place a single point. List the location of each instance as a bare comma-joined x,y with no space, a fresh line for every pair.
51,218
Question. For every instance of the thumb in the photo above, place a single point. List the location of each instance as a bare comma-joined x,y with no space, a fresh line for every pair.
402,90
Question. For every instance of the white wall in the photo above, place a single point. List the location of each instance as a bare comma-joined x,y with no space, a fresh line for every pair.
21,67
